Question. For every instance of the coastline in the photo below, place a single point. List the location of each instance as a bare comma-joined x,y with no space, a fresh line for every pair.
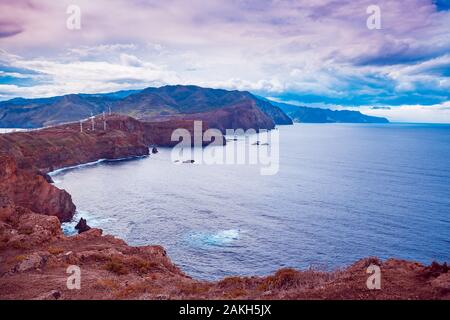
35,253
93,163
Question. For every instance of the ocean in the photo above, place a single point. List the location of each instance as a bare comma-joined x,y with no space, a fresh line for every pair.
343,192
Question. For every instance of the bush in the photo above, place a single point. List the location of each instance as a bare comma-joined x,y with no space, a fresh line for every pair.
108,284
116,266
55,250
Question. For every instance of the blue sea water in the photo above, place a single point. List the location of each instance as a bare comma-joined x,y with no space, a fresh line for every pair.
343,192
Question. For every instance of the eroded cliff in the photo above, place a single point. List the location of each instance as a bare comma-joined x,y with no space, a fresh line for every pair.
35,254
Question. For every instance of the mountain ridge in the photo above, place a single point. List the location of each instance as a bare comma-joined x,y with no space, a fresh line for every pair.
220,108
240,109
305,114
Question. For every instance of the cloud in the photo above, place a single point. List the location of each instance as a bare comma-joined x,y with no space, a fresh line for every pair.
78,76
308,51
9,29
130,60
439,113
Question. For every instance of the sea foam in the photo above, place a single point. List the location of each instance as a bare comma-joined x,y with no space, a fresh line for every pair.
220,238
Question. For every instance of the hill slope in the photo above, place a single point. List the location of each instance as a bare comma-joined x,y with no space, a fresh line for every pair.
221,108
319,115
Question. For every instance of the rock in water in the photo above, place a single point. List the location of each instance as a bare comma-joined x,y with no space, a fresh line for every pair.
82,226
154,150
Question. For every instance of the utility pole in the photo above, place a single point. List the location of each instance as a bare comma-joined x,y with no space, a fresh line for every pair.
110,113
104,121
81,126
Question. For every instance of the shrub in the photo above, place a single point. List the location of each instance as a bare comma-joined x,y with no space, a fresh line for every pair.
108,284
55,250
231,282
117,266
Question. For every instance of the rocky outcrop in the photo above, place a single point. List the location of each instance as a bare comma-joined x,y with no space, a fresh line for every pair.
82,226
159,133
35,254
245,116
27,157
31,190
53,148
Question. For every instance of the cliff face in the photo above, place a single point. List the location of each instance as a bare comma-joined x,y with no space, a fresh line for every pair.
26,157
220,109
63,146
237,117
33,191
35,254
57,147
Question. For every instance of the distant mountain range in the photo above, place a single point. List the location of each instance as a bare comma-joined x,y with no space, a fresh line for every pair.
221,109
320,115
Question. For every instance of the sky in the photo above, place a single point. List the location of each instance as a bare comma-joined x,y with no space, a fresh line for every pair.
317,53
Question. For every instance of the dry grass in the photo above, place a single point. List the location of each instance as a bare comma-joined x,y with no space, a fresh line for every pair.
235,293
286,279
55,250
122,266
20,245
116,266
234,282
134,290
196,289
107,284
142,266
19,258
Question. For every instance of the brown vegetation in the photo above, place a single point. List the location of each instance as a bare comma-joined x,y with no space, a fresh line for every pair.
35,254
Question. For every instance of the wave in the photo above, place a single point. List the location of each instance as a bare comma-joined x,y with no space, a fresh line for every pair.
93,163
69,227
220,238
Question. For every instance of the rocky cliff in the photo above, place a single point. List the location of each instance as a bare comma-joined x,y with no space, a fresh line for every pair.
32,190
35,254
27,157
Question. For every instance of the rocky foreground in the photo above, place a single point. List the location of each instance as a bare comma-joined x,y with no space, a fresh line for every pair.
35,254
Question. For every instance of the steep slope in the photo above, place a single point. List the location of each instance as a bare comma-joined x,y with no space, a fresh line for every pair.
35,254
36,113
27,157
319,115
221,108
171,100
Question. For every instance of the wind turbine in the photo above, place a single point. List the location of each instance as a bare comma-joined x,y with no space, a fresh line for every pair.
92,122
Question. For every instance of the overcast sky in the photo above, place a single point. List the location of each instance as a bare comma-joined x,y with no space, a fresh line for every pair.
314,53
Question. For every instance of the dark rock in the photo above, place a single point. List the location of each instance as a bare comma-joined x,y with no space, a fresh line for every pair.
82,226
436,269
154,150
